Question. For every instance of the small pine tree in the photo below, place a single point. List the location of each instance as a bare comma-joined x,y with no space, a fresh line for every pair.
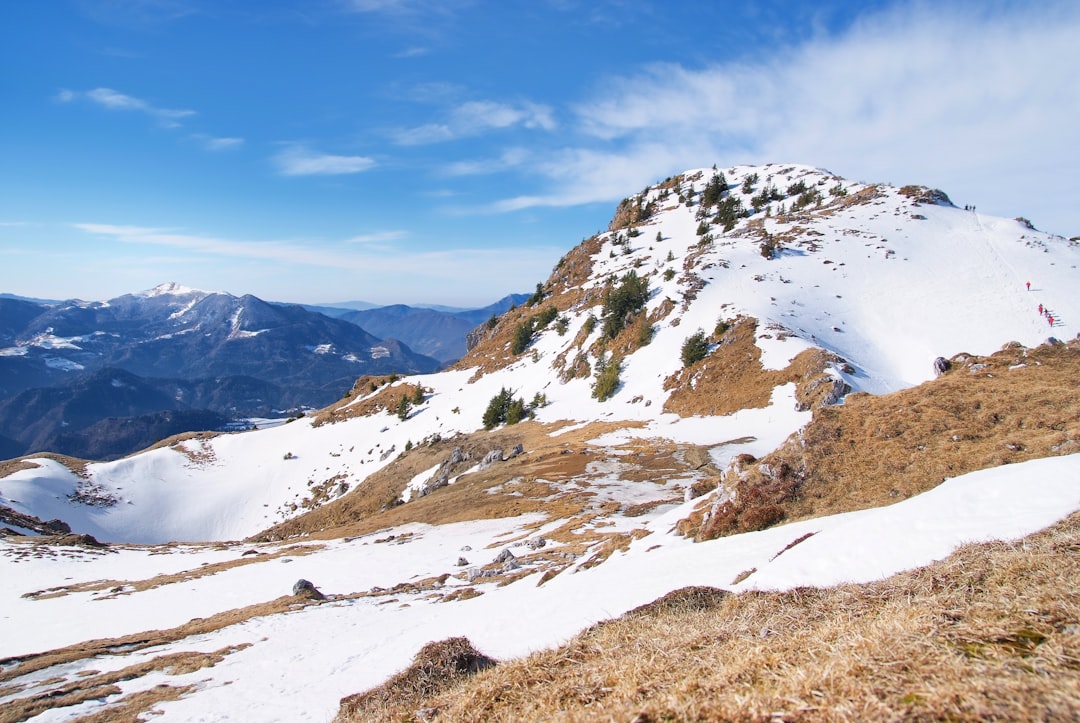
695,348
522,336
515,411
659,237
418,396
403,408
607,378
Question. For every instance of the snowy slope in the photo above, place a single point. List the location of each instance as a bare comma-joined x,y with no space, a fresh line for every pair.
299,664
886,283
886,279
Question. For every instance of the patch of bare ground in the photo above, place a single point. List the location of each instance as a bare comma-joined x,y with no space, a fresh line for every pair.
117,588
1015,405
75,465
518,485
990,633
69,692
435,668
732,377
368,396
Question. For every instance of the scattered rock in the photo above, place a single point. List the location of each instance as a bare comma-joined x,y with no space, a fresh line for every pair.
491,458
462,562
518,449
510,566
78,540
536,543
504,556
303,588
941,365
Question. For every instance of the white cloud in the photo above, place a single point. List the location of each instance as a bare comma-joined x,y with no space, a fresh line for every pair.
378,237
960,99
477,117
211,143
299,160
114,100
510,158
452,269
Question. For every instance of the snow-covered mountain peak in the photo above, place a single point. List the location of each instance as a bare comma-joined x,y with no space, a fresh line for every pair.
172,288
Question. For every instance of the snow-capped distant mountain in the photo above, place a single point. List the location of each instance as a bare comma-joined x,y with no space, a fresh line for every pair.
664,364
187,337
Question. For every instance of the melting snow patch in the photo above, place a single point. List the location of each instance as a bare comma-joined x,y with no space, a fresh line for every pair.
321,348
378,352
14,351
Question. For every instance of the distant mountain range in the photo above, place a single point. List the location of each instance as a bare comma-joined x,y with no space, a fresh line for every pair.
204,358
436,331
102,379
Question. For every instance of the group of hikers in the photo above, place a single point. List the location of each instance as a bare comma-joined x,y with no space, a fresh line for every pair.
1043,310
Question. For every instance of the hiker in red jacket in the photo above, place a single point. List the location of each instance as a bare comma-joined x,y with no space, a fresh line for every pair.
1029,286
1040,310
1051,320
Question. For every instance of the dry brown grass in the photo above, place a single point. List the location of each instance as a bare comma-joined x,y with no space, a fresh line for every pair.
64,693
876,450
520,485
363,401
732,377
75,465
435,668
990,633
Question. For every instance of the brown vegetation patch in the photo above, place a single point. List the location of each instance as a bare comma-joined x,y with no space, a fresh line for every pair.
563,290
77,466
731,377
990,633
368,397
65,692
117,588
517,486
435,668
1016,405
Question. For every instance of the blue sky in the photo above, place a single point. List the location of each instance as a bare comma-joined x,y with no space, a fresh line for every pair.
414,151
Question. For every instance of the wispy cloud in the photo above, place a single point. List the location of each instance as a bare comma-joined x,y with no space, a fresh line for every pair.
280,251
413,52
455,266
115,100
299,160
378,237
915,94
477,117
212,143
510,158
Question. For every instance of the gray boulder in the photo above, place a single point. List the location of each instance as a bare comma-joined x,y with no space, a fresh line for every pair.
491,458
941,365
303,588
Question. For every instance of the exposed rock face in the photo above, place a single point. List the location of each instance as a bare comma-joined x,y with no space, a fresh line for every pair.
478,335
